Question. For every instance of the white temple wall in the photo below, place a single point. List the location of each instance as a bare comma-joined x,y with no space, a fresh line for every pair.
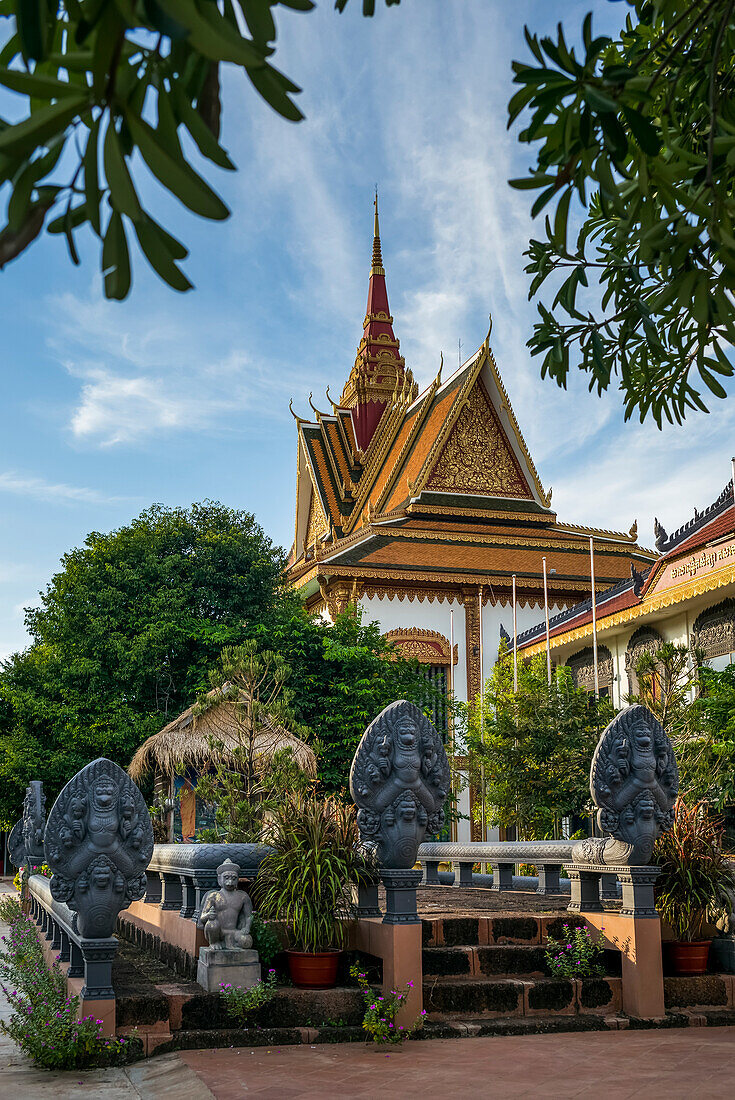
397,614
502,613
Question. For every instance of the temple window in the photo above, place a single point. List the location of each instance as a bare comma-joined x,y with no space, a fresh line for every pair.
714,634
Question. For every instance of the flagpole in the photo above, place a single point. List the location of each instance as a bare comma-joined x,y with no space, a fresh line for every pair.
546,614
483,823
515,640
594,616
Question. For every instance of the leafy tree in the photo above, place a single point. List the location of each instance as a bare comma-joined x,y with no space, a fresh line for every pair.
666,679
125,636
342,677
639,132
696,706
244,784
108,80
532,749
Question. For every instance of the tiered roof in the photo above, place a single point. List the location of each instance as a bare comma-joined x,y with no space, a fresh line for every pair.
445,489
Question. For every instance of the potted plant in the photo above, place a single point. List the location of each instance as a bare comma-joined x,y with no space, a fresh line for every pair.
695,884
307,882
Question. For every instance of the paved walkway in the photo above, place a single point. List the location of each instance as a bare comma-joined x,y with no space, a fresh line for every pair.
691,1064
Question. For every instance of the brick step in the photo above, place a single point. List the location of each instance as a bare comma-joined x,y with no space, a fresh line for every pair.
469,996
510,960
519,929
705,991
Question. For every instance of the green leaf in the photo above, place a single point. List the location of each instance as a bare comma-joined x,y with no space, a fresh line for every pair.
214,37
36,85
177,176
208,145
31,21
275,88
644,132
91,176
40,125
158,256
116,259
122,191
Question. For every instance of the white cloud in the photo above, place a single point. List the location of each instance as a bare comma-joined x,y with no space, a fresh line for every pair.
38,488
143,377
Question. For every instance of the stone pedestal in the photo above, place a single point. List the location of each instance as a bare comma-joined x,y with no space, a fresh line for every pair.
400,895
237,967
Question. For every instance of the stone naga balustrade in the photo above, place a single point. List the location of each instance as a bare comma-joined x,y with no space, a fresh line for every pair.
547,856
89,958
179,875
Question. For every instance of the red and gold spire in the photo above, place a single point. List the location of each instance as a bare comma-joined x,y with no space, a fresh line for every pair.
379,370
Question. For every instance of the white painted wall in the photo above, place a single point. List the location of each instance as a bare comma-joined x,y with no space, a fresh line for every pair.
400,614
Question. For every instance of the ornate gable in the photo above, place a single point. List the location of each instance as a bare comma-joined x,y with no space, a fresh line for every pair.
316,524
477,457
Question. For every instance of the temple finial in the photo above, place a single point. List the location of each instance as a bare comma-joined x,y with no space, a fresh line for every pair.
377,268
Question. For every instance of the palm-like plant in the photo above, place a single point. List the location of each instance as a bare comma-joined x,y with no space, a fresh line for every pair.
697,880
307,880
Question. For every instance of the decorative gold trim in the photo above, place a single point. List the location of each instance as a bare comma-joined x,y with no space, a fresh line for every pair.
499,540
444,432
454,579
470,599
422,645
545,497
697,587
480,513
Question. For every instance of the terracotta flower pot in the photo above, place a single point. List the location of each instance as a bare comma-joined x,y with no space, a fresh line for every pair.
689,956
313,970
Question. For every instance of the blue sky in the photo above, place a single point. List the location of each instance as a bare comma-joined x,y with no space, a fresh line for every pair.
109,407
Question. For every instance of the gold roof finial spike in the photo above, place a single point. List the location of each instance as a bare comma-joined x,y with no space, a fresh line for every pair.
316,410
298,419
377,268
490,329
334,405
441,368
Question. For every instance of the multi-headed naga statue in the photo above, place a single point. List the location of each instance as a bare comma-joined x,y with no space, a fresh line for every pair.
99,841
399,780
634,782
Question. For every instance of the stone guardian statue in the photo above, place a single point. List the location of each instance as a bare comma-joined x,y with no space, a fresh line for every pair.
227,912
226,917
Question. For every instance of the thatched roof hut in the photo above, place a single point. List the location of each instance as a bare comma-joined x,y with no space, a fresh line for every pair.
186,743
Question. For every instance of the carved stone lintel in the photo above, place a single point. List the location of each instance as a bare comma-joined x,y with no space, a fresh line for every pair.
400,895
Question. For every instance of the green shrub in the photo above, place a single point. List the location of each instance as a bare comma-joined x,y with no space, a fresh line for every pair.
43,1019
697,880
265,940
242,1003
578,955
380,1012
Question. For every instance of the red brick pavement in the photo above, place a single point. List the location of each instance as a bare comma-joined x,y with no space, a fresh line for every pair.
692,1063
